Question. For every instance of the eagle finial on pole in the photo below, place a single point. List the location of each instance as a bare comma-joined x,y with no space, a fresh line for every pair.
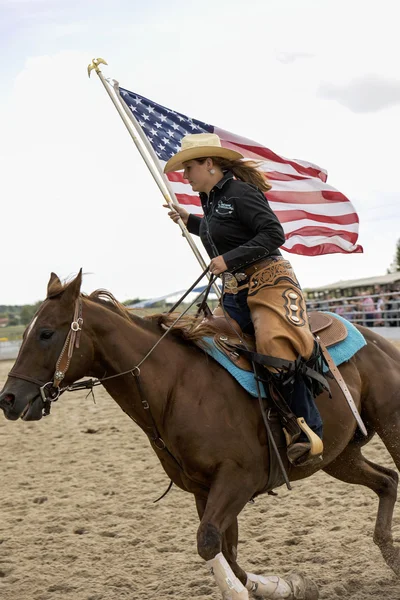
96,62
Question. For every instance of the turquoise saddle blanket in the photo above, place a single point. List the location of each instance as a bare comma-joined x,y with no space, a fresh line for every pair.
340,353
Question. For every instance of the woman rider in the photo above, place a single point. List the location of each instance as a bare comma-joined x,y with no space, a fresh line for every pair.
242,236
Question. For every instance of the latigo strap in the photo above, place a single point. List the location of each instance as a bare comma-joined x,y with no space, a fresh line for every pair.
343,387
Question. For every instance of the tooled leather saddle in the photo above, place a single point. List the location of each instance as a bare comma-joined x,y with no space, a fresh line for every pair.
329,330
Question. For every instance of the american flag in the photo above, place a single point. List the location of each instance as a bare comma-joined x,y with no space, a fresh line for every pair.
316,218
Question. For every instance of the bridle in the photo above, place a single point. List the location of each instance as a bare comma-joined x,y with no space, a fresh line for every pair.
51,391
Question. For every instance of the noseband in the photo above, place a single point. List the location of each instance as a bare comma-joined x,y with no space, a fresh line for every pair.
51,391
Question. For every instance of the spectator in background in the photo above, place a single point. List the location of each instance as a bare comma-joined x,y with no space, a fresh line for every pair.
325,305
380,307
354,313
357,307
340,307
346,310
392,311
368,309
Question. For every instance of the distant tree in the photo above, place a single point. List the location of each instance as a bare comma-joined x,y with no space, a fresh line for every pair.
27,312
398,255
395,266
132,301
13,317
6,308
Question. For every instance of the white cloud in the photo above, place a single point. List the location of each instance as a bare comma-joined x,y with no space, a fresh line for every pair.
290,57
364,94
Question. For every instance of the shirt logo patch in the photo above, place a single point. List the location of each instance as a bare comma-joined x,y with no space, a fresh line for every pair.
224,208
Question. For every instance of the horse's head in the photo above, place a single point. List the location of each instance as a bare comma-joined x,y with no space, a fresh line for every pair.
54,353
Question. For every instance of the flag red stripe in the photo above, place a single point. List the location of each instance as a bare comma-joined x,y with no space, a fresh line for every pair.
188,199
309,231
276,176
320,249
286,216
265,153
317,197
176,176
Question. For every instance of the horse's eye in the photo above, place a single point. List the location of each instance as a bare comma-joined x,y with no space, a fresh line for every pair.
46,335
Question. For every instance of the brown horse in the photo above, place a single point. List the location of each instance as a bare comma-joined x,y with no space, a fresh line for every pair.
205,429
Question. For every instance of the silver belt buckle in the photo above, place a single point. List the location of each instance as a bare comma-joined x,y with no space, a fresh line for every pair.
240,276
230,283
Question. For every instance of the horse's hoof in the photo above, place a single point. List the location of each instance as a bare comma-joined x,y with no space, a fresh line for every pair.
303,588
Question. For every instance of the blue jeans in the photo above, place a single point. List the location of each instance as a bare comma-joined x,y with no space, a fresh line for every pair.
236,306
303,405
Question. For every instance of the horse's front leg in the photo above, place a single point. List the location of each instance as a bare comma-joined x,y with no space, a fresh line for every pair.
217,540
218,513
229,542
261,587
294,586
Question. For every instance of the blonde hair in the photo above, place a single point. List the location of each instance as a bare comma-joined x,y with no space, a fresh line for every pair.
245,170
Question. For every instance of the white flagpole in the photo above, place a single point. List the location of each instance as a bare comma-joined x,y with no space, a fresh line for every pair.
148,155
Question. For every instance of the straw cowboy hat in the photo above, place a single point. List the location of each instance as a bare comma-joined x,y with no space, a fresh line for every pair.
199,145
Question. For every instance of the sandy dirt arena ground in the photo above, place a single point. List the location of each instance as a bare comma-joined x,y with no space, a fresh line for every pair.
78,522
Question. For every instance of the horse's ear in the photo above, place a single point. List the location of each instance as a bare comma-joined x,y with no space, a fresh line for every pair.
73,289
54,283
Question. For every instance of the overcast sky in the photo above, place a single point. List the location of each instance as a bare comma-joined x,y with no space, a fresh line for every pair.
316,80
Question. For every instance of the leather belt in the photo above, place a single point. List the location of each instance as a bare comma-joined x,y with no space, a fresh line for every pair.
235,282
260,264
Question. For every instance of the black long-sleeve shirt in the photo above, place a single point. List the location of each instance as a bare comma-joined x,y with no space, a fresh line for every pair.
238,224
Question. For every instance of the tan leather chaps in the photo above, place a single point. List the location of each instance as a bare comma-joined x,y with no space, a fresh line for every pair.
278,312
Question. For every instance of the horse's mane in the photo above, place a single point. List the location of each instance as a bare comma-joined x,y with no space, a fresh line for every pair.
190,328
108,300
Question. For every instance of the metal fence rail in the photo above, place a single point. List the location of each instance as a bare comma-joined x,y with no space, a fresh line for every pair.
370,310
9,350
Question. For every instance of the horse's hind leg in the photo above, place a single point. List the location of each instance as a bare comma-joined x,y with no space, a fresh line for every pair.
352,467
